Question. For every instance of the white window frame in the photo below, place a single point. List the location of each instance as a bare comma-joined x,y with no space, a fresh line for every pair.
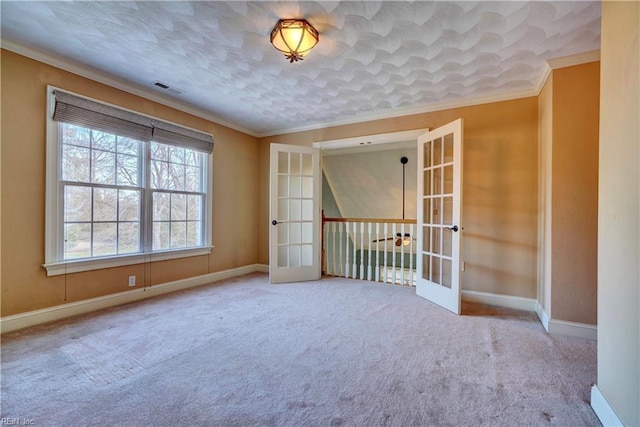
54,263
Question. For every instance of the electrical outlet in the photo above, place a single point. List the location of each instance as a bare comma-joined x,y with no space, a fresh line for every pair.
132,280
462,266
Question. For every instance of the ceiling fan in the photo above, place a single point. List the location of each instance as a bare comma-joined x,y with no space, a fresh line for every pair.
400,239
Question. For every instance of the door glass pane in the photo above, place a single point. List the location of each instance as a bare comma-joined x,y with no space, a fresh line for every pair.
283,209
294,233
426,267
283,186
426,239
437,151
446,273
307,232
427,183
295,163
427,154
307,187
447,210
448,148
437,181
436,236
307,165
294,256
447,241
294,213
307,255
448,179
426,211
283,256
435,269
283,233
296,190
307,210
436,212
283,162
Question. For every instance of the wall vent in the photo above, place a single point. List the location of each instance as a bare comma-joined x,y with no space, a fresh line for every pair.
166,87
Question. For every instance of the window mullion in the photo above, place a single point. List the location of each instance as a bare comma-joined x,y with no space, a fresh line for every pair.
147,205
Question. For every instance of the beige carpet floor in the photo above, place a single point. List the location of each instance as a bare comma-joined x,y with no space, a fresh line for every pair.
329,353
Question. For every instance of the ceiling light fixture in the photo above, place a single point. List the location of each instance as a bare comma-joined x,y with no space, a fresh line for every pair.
294,37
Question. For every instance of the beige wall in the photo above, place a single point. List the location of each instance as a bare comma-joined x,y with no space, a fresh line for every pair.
574,196
25,285
500,188
568,109
619,212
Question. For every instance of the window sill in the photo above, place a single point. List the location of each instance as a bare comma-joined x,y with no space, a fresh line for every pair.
58,268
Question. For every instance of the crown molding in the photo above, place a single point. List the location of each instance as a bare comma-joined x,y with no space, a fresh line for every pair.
563,62
577,59
104,78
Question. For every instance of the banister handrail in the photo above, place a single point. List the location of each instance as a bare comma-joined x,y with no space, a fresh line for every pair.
372,220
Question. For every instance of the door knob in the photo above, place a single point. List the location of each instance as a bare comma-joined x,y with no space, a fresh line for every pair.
454,228
274,222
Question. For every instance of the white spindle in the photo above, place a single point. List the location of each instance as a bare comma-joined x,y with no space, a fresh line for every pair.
386,253
393,248
361,276
346,249
377,252
402,254
354,272
369,251
411,250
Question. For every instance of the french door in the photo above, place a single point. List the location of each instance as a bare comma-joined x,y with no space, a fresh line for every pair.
294,237
439,215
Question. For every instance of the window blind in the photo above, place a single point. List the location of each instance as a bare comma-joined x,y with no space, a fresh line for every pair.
87,113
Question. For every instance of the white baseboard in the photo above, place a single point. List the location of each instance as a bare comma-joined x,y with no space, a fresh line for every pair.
543,316
565,328
602,409
31,318
573,329
519,303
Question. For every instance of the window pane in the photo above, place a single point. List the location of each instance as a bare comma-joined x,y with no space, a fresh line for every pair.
103,167
159,175
75,163
77,241
127,172
159,151
193,233
105,237
160,235
128,238
192,179
77,203
192,157
176,177
178,207
178,234
75,135
160,206
103,140
105,204
176,155
128,205
194,208
127,145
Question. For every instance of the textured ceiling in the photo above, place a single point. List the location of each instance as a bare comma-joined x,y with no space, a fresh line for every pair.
373,59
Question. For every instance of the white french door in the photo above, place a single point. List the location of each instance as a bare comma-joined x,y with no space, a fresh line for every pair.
439,215
294,237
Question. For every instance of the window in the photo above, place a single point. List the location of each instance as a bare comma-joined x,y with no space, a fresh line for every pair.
122,187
